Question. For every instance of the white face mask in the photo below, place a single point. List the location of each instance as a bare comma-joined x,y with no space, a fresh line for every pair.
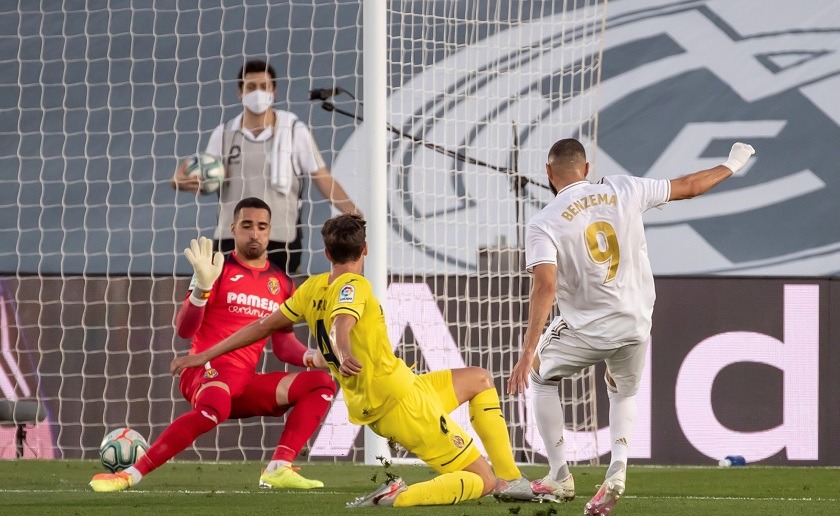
258,101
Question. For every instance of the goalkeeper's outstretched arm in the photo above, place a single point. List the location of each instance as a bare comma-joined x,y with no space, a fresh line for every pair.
246,336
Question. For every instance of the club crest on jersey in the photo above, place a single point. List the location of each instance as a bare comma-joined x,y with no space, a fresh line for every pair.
347,294
210,373
273,285
458,441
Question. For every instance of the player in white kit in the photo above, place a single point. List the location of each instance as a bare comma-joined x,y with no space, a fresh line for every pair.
587,252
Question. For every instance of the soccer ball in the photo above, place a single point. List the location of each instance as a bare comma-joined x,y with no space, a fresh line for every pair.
121,449
210,171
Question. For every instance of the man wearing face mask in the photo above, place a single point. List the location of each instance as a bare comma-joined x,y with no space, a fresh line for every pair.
267,153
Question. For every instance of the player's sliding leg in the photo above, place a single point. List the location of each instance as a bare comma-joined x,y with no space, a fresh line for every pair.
475,481
422,425
212,407
549,413
472,483
475,385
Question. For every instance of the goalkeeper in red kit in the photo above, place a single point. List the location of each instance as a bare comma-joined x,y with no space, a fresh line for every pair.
225,295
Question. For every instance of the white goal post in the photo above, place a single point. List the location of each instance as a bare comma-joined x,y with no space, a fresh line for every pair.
444,152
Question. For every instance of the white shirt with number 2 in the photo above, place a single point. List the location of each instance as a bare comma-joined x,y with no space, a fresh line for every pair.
594,234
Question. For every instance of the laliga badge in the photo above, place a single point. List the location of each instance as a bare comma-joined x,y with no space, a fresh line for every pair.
211,373
458,441
347,294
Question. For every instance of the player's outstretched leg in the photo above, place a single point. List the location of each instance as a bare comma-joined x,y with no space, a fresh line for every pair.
446,489
212,408
383,496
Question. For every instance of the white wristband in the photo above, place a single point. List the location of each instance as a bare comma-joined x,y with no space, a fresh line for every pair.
309,358
199,299
733,165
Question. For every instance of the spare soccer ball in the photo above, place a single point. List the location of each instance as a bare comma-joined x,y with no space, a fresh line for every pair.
210,172
121,449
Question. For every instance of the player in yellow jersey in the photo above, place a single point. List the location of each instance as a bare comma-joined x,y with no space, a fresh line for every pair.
382,392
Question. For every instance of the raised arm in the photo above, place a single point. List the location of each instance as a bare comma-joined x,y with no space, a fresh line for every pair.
541,301
207,267
698,183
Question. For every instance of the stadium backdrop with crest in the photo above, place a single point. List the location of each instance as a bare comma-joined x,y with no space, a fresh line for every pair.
101,100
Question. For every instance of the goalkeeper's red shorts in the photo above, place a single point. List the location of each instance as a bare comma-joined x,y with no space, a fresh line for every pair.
252,394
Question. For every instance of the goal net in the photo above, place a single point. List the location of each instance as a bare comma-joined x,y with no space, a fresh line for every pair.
103,100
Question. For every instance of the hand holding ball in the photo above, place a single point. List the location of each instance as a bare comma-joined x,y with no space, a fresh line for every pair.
209,170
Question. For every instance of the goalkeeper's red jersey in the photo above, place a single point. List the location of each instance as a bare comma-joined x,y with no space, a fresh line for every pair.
241,295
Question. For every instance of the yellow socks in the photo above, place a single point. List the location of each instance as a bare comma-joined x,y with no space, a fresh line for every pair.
446,489
489,423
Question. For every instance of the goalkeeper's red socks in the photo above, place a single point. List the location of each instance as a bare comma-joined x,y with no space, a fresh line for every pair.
211,409
311,395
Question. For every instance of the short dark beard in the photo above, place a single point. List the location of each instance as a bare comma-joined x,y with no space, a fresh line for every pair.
248,255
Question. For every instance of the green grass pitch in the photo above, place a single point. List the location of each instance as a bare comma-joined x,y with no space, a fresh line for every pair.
60,487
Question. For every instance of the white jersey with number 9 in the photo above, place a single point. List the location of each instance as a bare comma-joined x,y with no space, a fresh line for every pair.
594,234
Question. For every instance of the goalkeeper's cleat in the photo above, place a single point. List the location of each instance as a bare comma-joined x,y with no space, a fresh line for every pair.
110,482
384,496
564,490
287,478
519,490
608,494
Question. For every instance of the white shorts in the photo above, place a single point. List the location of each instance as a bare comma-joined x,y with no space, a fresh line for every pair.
562,354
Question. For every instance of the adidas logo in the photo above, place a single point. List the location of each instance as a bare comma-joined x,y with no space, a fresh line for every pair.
621,440
559,443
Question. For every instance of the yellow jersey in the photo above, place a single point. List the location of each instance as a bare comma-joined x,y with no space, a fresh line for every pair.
384,378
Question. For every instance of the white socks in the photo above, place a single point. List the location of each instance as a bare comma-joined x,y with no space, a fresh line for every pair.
622,424
136,477
277,464
548,410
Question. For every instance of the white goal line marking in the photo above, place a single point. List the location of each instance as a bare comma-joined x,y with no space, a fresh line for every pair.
734,498
180,491
311,492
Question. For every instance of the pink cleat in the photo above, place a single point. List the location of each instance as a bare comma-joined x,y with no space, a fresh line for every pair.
563,490
607,496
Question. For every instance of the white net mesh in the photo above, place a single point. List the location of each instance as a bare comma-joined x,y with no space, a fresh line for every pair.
102,100
479,93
